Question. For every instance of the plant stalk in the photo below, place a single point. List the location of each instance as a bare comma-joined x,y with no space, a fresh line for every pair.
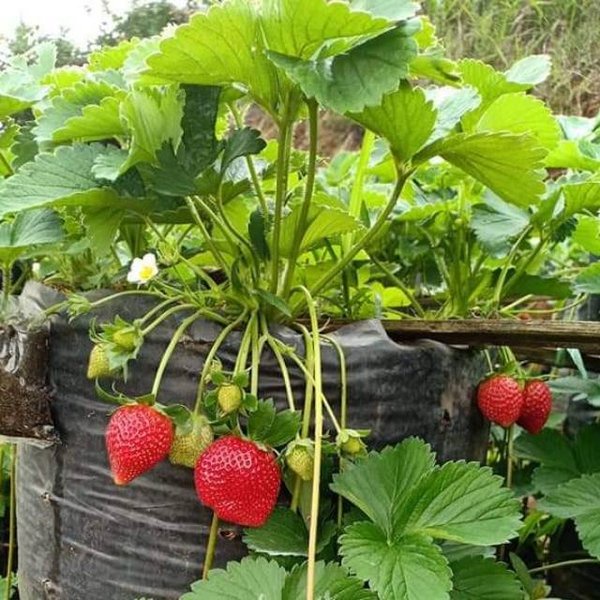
211,546
316,482
164,361
283,164
566,563
363,242
313,113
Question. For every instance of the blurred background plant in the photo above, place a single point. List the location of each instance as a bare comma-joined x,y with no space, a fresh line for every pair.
501,31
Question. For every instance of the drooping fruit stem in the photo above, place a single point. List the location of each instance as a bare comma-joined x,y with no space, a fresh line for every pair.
509,455
272,342
211,546
307,411
211,356
170,349
316,482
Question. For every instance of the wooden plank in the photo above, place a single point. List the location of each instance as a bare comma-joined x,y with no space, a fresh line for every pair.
583,335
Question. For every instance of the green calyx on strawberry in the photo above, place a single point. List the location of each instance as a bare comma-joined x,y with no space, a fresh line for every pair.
300,458
98,363
138,437
238,480
350,442
500,400
537,406
230,397
188,444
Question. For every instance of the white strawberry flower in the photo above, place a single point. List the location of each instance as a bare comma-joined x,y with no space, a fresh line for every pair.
143,269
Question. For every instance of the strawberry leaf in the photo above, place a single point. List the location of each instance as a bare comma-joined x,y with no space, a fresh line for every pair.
405,118
349,82
478,578
378,484
250,578
508,164
202,52
273,428
62,178
285,534
300,29
578,499
332,582
410,568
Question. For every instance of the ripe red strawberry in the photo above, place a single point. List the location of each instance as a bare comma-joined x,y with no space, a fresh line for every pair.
500,400
137,438
537,405
238,480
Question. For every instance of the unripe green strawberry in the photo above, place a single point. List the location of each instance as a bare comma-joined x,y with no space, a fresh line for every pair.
353,446
186,449
98,365
127,339
229,397
350,442
300,459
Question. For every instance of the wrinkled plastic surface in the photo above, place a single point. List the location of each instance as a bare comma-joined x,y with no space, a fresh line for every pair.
83,538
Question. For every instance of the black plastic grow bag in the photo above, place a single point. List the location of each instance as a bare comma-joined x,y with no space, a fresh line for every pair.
83,538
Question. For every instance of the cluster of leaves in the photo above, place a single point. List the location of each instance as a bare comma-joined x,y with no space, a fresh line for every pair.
415,530
568,477
120,147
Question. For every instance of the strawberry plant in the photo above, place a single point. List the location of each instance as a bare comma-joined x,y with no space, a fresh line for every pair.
139,173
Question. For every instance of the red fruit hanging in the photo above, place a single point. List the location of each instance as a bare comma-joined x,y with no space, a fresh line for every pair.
500,399
137,438
537,406
238,480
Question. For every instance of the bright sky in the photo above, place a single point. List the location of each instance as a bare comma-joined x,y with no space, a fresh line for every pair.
82,18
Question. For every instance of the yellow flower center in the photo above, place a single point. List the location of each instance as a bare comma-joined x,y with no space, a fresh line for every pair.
146,272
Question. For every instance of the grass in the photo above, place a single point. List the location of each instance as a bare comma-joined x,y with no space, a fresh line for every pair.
503,31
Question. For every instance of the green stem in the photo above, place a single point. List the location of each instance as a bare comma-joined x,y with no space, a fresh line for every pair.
211,356
400,284
524,266
363,242
509,456
272,342
324,400
211,546
283,164
257,346
356,196
6,287
165,316
242,357
307,410
250,164
313,114
316,482
170,349
12,523
207,238
510,259
566,563
157,309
